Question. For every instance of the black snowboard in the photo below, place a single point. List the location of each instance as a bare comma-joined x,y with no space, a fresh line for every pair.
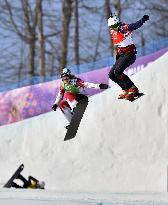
76,119
14,176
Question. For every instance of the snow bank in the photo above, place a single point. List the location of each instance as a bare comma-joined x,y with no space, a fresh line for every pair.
120,146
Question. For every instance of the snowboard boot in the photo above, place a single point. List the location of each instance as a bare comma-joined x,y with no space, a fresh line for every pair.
123,94
132,93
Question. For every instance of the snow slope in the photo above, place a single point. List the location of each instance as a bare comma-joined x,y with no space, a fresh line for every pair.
120,146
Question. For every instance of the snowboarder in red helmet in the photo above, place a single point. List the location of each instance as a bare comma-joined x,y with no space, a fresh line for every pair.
125,54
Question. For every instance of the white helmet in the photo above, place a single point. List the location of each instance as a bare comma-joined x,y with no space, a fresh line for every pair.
113,20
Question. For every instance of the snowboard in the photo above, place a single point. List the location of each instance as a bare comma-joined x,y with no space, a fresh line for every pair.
135,98
14,176
76,119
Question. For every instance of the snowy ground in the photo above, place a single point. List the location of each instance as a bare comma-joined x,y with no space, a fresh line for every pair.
49,197
121,147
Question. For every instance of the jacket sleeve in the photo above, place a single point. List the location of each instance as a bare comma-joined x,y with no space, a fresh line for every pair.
83,84
60,95
91,85
134,26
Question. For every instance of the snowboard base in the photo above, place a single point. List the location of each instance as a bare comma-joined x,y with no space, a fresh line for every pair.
76,119
14,176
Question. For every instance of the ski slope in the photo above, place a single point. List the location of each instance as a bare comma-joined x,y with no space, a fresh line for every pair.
120,147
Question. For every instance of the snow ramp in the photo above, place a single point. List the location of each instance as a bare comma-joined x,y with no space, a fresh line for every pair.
120,145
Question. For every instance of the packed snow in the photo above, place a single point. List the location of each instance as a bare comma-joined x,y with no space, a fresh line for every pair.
119,155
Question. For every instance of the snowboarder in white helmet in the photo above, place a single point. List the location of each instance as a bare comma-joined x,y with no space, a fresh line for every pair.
70,93
125,54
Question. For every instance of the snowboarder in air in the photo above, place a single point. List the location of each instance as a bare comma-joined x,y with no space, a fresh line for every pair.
31,183
125,54
70,93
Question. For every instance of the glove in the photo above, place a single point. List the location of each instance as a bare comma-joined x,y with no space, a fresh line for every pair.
145,18
54,107
103,86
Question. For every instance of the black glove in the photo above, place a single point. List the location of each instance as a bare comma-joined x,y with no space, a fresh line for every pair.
145,18
54,107
103,86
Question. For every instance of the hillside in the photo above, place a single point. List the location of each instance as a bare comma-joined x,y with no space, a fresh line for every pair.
120,146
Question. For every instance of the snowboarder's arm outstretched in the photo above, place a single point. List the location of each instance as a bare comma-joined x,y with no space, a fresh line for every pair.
96,86
138,24
84,84
133,26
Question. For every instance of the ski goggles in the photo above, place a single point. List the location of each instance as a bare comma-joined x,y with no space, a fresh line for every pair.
66,78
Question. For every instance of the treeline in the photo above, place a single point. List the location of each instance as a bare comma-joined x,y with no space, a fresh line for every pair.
40,37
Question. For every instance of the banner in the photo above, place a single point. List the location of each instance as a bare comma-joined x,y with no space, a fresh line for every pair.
26,102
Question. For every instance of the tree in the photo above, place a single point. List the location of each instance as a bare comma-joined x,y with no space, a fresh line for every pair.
67,12
108,12
29,35
41,37
76,33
